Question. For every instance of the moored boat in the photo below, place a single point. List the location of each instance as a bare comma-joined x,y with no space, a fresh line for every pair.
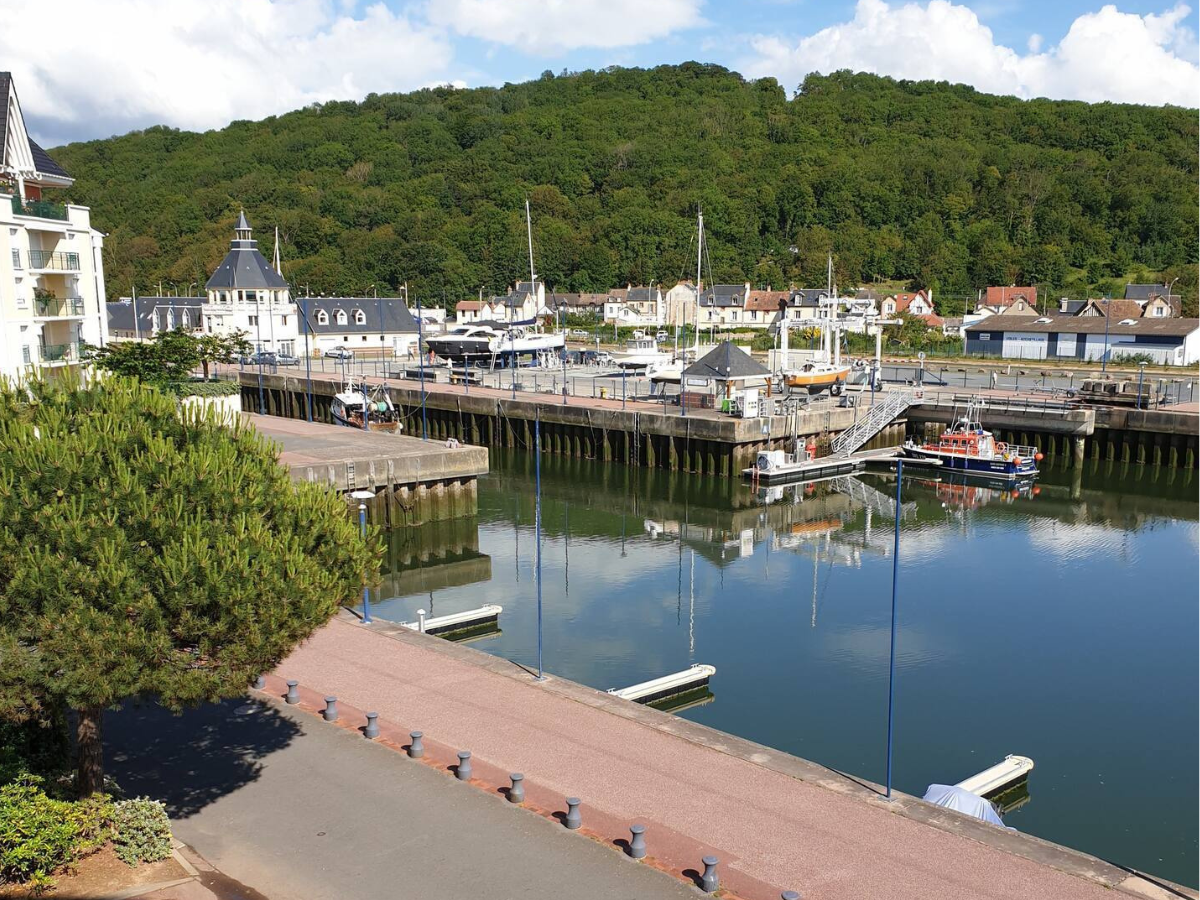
966,446
352,405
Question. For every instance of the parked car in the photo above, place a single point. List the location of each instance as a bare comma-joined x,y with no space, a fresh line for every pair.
261,358
578,332
339,353
286,359
662,336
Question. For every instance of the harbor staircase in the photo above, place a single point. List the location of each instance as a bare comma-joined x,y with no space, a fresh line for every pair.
868,497
879,415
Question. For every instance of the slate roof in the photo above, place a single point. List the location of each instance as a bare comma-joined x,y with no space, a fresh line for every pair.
243,267
1071,307
1087,325
726,363
5,90
44,164
808,297
723,295
383,315
1145,291
121,312
639,294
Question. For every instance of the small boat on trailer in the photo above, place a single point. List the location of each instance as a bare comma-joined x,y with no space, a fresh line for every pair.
352,405
967,447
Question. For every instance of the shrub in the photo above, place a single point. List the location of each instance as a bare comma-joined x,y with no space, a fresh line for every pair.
203,388
142,831
39,835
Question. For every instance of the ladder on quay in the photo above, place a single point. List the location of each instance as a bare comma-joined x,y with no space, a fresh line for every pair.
879,416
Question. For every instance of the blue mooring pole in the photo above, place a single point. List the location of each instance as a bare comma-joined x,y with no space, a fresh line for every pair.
892,654
537,532
420,365
362,527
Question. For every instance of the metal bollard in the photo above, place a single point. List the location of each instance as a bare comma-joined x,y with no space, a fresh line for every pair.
789,895
574,820
516,793
330,711
415,748
372,730
463,772
260,682
709,882
292,696
421,621
637,843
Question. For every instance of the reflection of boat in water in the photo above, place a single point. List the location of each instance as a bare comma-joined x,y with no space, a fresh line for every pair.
350,405
962,494
968,448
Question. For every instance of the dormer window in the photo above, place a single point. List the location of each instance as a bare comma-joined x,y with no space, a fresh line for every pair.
187,320
1042,321
1127,322
322,317
341,317
360,318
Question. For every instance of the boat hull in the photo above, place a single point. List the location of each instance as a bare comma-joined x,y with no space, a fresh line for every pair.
815,382
383,427
999,469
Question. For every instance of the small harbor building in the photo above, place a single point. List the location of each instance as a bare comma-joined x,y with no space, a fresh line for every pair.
144,318
370,326
51,271
1163,341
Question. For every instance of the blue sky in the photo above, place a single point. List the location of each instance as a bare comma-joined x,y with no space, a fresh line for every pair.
126,64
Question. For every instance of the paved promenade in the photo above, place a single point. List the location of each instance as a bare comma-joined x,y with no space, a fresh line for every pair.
776,822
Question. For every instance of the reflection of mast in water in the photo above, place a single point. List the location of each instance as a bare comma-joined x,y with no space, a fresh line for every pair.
692,611
517,538
816,559
622,535
567,548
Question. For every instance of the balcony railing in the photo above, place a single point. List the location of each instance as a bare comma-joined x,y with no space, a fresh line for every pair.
54,259
54,307
68,353
41,209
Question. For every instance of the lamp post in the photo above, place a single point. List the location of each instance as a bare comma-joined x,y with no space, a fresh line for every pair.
307,364
1104,357
361,497
421,365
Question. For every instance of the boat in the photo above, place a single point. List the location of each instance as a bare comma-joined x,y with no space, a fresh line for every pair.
352,403
815,377
468,342
641,352
967,447
826,371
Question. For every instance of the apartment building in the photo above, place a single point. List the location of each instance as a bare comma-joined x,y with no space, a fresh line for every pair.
51,272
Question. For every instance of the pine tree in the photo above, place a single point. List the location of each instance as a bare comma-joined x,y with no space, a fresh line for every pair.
148,550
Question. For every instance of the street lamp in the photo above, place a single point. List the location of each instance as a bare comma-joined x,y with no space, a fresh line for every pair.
1141,375
362,497
1104,357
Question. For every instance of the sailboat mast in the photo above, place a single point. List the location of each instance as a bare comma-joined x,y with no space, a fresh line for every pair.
529,232
699,257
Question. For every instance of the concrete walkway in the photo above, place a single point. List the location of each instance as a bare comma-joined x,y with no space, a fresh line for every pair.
296,809
776,822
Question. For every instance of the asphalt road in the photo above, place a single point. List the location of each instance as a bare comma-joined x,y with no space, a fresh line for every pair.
300,810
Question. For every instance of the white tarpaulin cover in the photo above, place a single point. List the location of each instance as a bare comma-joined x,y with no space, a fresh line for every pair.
963,801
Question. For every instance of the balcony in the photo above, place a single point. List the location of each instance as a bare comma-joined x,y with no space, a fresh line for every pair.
39,209
54,308
54,260
61,354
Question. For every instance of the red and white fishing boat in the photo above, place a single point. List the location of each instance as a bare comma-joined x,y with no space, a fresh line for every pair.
966,446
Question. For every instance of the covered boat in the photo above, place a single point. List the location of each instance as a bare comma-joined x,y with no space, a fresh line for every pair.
352,405
969,448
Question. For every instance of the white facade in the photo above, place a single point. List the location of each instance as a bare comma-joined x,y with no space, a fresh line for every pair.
51,271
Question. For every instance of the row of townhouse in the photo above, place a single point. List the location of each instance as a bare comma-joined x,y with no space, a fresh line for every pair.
527,301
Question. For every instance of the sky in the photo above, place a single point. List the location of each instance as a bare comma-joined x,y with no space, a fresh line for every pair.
110,66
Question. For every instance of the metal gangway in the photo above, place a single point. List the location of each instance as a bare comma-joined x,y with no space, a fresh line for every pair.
879,415
869,497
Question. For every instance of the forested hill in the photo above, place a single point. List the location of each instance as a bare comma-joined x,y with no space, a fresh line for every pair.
925,183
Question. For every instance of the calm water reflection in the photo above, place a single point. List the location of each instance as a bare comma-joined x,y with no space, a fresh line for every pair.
1059,624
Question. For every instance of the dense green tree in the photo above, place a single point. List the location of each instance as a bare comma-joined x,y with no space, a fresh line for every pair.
910,183
151,551
171,356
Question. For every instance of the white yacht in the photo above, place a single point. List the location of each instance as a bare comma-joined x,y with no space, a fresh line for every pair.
641,352
487,341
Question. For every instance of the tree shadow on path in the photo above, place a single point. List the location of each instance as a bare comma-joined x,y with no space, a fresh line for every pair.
193,759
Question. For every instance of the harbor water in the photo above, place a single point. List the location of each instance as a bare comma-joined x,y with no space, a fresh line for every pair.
1057,623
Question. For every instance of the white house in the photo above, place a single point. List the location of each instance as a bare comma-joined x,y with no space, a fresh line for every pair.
524,303
51,272
635,306
246,294
371,326
680,304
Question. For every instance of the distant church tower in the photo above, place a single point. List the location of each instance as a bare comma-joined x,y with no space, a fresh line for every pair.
246,294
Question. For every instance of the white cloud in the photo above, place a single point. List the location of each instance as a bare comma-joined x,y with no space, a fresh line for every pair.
1105,55
1035,43
547,27
121,64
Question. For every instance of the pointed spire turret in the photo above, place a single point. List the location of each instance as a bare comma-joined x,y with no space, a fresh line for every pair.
242,229
275,261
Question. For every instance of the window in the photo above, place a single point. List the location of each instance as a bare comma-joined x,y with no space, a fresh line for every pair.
341,317
283,320
170,320
364,337
16,259
1159,312
253,320
287,348
360,318
154,318
322,317
187,319
251,295
26,356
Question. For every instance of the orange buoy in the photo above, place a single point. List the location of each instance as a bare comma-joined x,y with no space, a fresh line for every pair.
1038,457
1036,490
1016,493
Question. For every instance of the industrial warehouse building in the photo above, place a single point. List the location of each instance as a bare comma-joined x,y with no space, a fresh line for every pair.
1166,341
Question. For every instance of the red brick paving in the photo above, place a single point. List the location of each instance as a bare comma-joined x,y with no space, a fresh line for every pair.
771,831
